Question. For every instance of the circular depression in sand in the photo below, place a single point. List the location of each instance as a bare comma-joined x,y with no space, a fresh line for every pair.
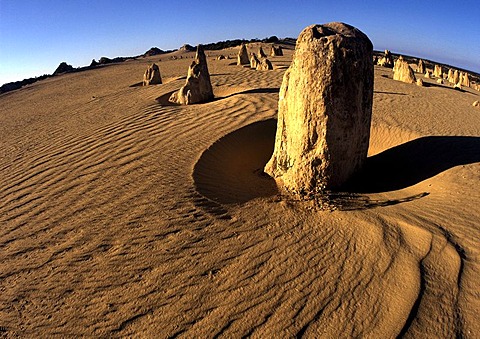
231,169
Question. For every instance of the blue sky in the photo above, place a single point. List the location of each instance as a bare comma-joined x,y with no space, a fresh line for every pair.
36,35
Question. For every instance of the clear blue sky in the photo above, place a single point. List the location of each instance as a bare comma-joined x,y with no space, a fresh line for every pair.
36,35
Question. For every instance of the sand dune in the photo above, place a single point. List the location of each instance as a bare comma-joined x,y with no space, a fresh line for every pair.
123,215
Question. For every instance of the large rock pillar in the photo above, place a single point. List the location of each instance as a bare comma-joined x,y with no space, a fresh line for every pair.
324,110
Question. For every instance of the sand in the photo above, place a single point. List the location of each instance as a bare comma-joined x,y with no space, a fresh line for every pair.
123,215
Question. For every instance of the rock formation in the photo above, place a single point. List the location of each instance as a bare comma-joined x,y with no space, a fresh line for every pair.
387,60
403,72
276,51
419,82
324,110
254,61
264,65
221,57
440,81
261,53
197,87
476,104
152,75
242,57
427,74
465,80
450,76
456,77
421,67
438,72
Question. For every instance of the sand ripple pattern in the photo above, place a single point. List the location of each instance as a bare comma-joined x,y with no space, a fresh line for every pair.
122,230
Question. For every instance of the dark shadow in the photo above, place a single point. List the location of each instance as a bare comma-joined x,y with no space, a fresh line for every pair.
138,84
251,91
163,99
393,93
220,74
344,201
414,161
231,170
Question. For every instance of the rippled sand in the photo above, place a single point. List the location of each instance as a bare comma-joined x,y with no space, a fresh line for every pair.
122,215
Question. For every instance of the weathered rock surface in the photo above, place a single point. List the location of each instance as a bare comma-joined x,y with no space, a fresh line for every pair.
198,87
276,51
403,72
324,110
465,80
476,104
440,81
387,60
456,77
450,76
242,57
264,65
254,61
419,82
427,74
421,67
221,57
152,75
438,72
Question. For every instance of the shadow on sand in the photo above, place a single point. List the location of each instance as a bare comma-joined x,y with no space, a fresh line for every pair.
230,171
414,161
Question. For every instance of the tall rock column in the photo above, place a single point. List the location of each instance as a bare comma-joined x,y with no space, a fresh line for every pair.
324,110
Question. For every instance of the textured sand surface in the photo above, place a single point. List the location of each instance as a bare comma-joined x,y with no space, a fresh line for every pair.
121,215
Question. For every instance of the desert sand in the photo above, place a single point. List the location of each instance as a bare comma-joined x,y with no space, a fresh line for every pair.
122,214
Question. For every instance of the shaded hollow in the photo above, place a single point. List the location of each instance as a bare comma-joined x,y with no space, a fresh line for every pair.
231,169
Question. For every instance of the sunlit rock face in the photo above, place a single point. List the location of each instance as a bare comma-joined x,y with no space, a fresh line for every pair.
152,75
198,87
403,72
324,110
242,57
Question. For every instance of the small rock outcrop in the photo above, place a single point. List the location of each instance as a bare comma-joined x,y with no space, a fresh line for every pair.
476,104
242,57
324,110
261,53
387,60
419,82
264,65
440,81
456,77
254,61
437,71
465,80
403,72
221,57
198,87
427,74
152,76
450,76
276,51
421,67
63,68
